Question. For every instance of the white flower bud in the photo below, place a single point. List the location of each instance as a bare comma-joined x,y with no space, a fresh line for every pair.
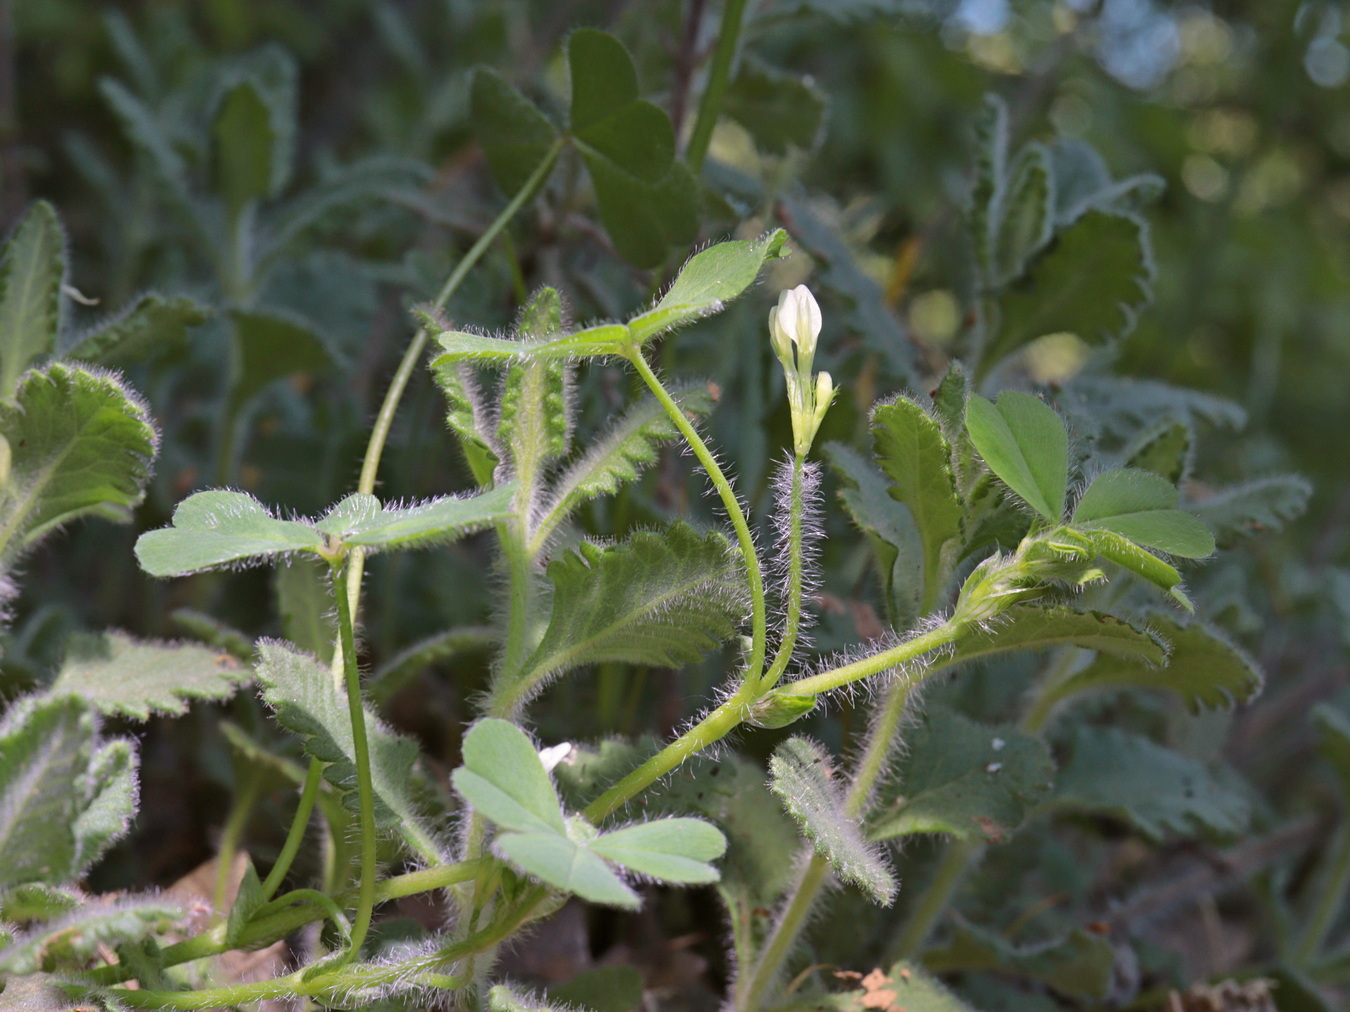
794,326
796,318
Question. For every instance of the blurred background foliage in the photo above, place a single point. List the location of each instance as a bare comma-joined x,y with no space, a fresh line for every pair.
306,173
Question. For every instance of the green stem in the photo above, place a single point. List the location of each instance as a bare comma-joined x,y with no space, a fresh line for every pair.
265,930
230,835
308,795
324,903
711,729
384,421
937,897
944,635
719,76
753,574
793,605
1333,882
361,748
882,740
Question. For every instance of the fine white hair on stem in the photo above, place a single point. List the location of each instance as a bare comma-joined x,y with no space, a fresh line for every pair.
812,534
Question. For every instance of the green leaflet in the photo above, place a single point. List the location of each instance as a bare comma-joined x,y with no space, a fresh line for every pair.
361,520
254,130
656,599
64,795
1092,280
973,781
1141,506
309,703
505,780
32,268
1024,442
217,528
154,324
913,453
800,774
1202,668
515,135
1078,965
1265,504
891,532
619,455
599,341
1158,792
1030,627
708,281
80,444
120,676
70,941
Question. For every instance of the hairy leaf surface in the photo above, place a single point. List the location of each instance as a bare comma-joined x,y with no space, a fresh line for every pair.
1025,443
32,268
800,774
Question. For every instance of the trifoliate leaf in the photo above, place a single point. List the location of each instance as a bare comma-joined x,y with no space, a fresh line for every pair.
1092,280
1141,506
1202,668
800,775
80,444
32,267
567,865
914,455
505,780
973,781
707,282
1158,792
120,676
1079,965
656,599
1025,443
218,528
515,135
310,703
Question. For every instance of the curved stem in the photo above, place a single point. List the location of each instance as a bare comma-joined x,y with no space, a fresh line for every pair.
719,76
234,829
793,605
754,575
365,789
944,635
937,897
384,420
308,795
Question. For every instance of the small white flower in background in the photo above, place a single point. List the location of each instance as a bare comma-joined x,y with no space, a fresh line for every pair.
554,754
794,326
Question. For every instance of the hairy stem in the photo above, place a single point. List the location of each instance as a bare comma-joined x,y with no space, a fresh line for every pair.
719,76
916,646
753,574
793,604
308,795
384,421
365,789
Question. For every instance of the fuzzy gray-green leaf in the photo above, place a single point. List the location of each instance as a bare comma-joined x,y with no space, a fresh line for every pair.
120,676
800,774
218,528
1031,627
1159,792
1265,504
534,423
1202,667
32,267
913,453
421,525
98,925
304,602
114,790
309,703
972,781
81,444
154,324
657,599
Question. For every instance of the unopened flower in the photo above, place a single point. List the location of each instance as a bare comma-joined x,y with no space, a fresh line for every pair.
794,326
